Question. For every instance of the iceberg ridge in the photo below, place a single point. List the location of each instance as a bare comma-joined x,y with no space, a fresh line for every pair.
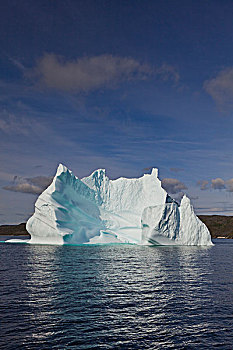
95,210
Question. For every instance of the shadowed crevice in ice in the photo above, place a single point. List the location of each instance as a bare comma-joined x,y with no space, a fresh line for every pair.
78,213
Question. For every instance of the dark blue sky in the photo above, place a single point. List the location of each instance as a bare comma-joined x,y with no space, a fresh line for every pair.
124,85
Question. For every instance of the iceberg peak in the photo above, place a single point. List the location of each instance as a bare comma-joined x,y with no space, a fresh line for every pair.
154,172
61,169
185,200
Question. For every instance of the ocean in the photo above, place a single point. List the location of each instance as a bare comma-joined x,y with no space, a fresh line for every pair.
116,297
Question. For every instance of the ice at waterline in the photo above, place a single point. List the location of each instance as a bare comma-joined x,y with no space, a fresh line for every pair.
96,210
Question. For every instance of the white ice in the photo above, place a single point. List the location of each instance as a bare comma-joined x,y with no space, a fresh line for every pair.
96,210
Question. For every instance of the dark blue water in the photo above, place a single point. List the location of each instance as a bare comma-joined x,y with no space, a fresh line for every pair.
116,297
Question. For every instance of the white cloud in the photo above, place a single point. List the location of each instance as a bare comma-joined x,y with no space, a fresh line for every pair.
23,188
88,73
34,185
168,72
173,185
17,63
91,73
21,125
218,183
10,123
40,181
220,88
204,184
229,185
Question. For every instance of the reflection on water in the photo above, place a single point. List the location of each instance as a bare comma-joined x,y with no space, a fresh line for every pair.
121,297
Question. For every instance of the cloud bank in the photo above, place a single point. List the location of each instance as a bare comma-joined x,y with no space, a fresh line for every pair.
173,186
216,184
220,88
87,74
34,185
229,185
204,184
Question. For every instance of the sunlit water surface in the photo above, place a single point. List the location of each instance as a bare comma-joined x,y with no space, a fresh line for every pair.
116,297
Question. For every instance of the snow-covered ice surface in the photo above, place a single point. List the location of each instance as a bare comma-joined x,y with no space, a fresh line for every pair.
96,210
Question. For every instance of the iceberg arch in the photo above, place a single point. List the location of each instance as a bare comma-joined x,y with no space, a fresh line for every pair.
95,210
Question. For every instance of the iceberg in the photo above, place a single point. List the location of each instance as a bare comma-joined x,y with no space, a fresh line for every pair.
97,210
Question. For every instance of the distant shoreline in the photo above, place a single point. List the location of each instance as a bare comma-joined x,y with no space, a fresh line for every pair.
14,230
220,226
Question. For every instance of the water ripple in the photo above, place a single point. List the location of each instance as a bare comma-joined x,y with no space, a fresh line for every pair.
116,297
